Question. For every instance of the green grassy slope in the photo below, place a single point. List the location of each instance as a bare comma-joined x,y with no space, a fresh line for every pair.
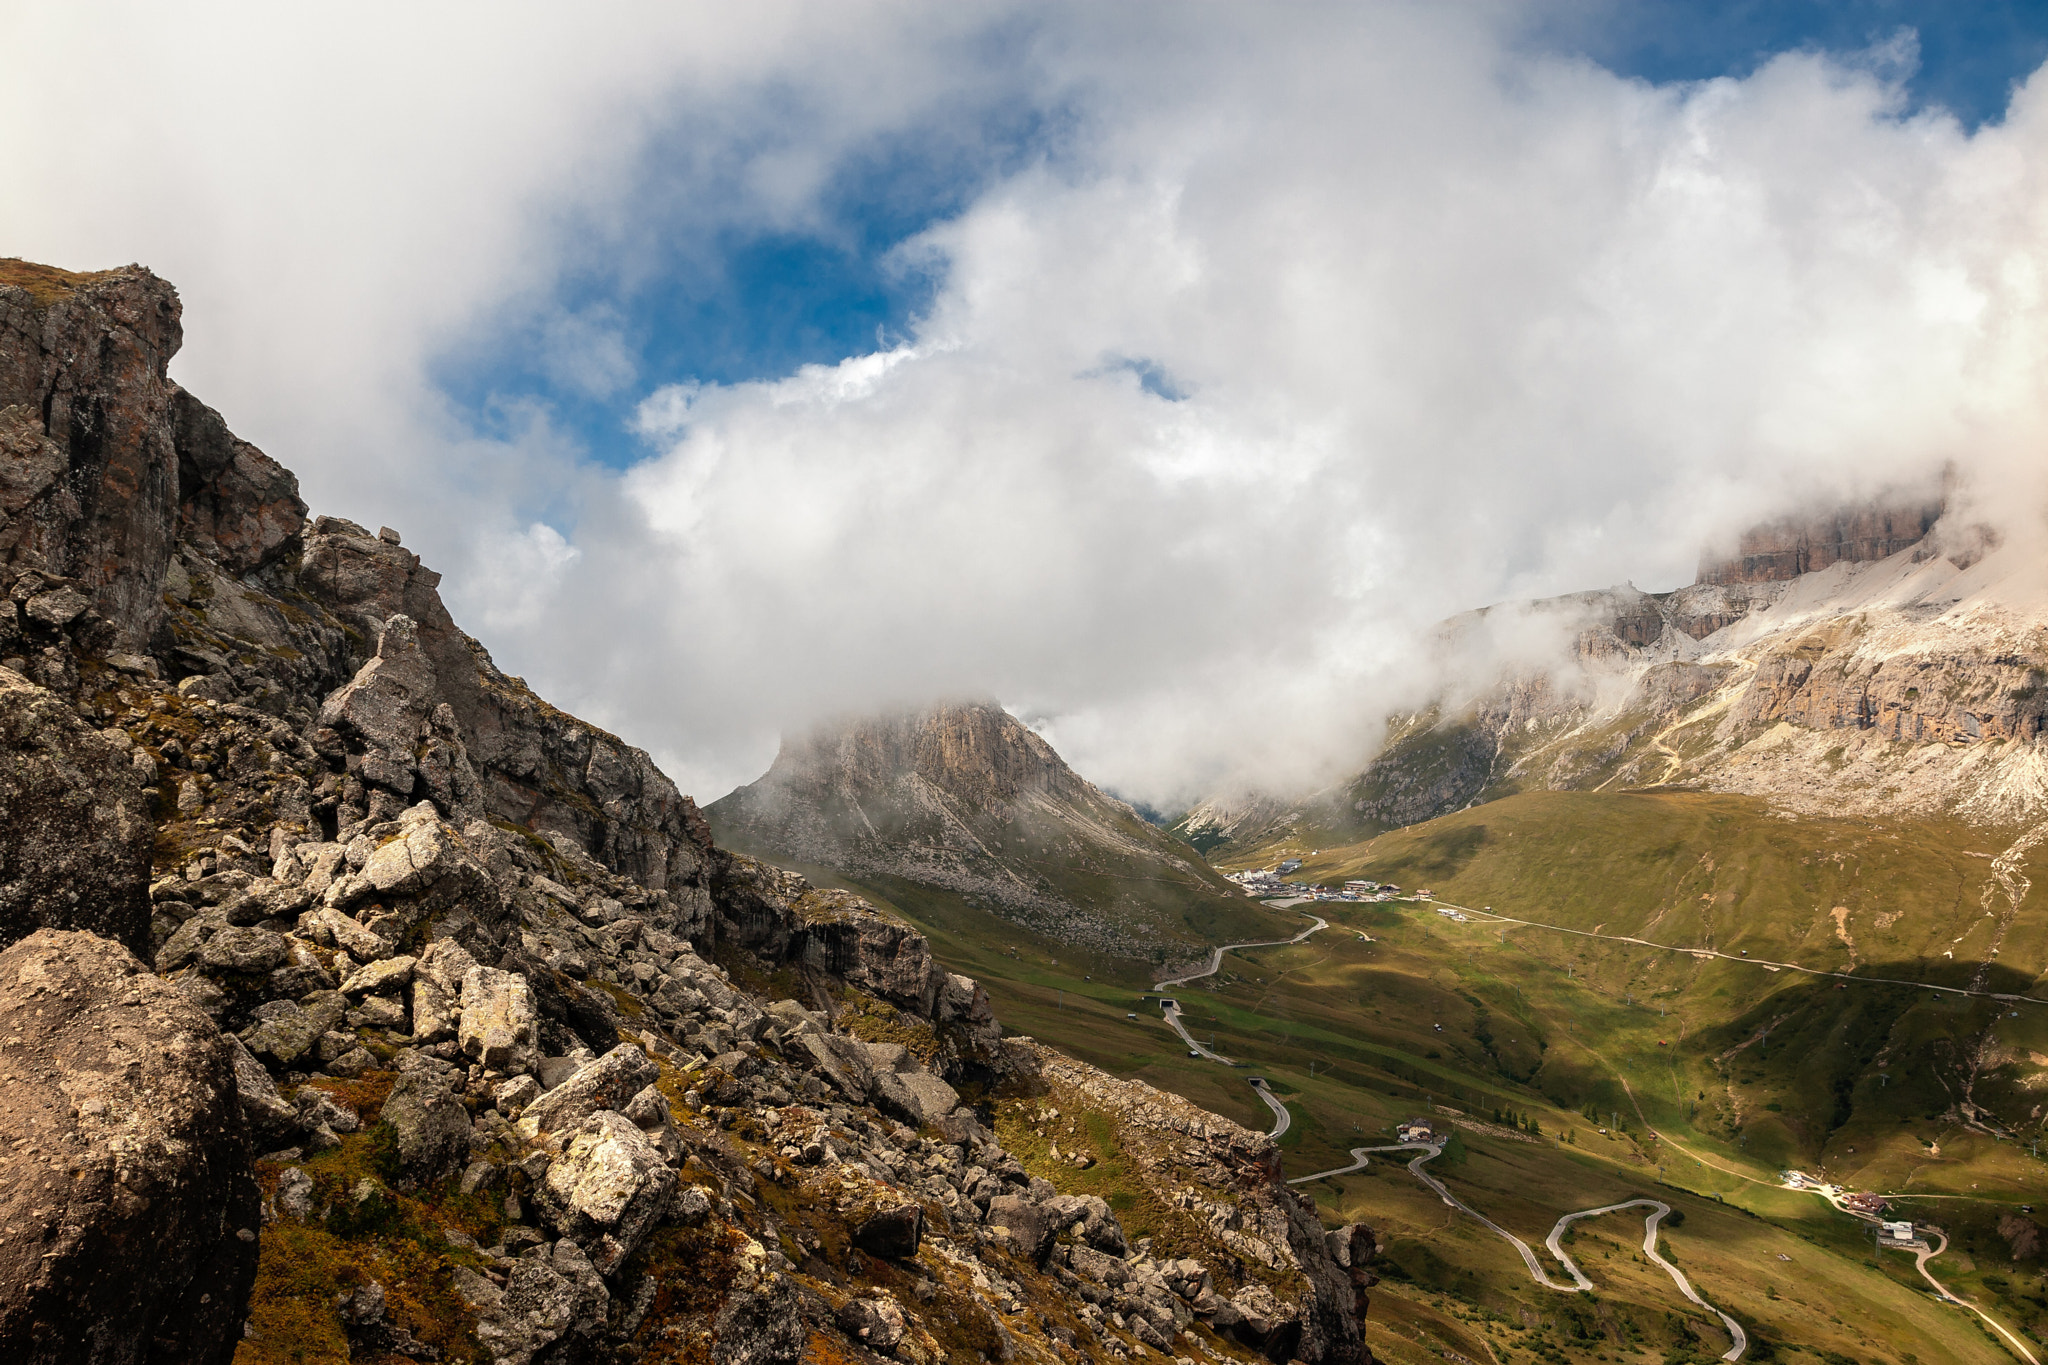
1886,1087
1182,903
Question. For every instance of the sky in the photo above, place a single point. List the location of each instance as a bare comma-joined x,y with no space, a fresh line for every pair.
1165,370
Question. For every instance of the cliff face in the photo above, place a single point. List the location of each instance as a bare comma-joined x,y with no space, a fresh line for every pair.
470,979
966,798
1791,546
1815,670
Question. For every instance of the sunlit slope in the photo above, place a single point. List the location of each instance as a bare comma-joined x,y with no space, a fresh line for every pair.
1719,872
965,802
1345,1028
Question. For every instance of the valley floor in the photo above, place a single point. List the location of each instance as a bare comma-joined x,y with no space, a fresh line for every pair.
1572,1070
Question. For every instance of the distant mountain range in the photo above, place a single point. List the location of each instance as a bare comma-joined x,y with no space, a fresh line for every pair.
1879,660
963,798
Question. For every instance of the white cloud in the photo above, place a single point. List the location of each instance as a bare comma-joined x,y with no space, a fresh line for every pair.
1453,321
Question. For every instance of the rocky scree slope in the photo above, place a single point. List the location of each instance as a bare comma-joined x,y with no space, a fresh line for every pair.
361,1005
964,797
1879,661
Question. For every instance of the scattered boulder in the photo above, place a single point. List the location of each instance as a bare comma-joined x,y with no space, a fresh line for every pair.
243,950
894,1234
607,1188
430,1125
875,1323
499,1029
286,1030
128,1215
1031,1225
379,978
272,1122
610,1082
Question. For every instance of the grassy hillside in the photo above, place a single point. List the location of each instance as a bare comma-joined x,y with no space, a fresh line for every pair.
1396,1008
1156,909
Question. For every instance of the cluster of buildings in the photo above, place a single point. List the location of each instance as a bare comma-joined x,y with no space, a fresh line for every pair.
1862,1203
1416,1130
1273,882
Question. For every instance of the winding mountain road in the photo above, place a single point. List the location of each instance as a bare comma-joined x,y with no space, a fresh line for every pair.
1926,1254
1493,917
1361,1157
1281,1118
1658,1209
1216,954
1171,1008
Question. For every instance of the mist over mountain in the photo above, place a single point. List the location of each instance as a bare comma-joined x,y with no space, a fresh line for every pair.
1211,373
1886,659
963,797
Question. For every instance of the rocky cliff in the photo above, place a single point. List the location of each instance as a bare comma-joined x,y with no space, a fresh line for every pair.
965,798
1791,546
1855,671
458,1038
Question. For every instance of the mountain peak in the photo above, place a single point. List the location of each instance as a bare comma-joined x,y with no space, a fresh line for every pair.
964,798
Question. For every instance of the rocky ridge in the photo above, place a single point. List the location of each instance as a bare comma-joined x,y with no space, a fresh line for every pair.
964,797
531,1070
1907,684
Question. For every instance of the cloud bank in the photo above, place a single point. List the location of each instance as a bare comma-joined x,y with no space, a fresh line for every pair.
1304,328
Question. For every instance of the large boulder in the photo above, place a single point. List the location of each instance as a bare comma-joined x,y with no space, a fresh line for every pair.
430,1126
499,1028
610,1082
607,1188
75,831
1032,1226
128,1215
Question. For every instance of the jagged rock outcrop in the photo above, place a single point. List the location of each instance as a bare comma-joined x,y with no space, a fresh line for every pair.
128,1210
75,831
1791,546
964,797
471,973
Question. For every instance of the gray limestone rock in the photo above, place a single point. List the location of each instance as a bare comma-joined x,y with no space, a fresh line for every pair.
607,1188
499,1028
610,1082
876,1323
272,1122
431,1126
893,1234
1032,1226
285,1031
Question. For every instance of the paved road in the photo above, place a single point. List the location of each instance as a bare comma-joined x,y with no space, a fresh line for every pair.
1281,1118
1580,1284
1216,954
1658,1210
1490,916
1360,1159
1171,1008
1926,1254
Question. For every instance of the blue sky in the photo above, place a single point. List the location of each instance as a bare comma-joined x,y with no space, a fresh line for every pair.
1328,319
741,301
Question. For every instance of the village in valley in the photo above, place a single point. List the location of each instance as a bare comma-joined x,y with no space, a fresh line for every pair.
1273,881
